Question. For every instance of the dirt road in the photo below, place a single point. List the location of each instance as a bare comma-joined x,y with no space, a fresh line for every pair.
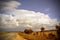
11,36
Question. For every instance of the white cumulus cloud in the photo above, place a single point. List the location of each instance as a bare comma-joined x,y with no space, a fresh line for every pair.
25,18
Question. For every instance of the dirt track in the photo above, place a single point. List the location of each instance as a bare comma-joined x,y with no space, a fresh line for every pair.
11,36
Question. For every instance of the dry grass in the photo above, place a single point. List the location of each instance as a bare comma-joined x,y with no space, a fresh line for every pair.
34,35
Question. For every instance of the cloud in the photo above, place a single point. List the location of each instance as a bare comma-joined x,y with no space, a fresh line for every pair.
28,19
7,21
10,5
25,18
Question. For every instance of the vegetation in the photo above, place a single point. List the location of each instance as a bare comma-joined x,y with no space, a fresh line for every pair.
46,35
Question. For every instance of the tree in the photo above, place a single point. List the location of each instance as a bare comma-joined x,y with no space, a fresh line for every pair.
28,31
42,28
58,31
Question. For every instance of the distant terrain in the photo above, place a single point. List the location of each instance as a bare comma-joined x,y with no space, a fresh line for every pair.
40,35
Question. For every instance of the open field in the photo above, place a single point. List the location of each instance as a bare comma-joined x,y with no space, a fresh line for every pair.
46,35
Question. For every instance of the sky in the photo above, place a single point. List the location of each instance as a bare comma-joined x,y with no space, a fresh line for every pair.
50,7
29,14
